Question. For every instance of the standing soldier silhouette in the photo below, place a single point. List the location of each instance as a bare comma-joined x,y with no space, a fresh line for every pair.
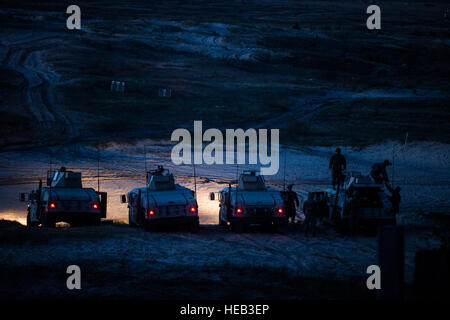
337,165
310,212
292,204
395,199
379,173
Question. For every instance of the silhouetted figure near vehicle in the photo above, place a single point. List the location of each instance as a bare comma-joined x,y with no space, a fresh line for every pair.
292,204
337,165
395,199
310,211
355,213
379,173
159,170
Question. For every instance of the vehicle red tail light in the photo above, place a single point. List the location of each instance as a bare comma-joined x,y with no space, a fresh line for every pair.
238,210
52,205
150,213
193,209
280,211
95,206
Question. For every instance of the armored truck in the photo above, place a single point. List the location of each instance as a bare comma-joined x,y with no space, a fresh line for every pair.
64,199
251,202
161,202
360,198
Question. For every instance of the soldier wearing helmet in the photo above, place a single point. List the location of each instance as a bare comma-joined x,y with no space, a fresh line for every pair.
291,204
310,212
379,173
337,165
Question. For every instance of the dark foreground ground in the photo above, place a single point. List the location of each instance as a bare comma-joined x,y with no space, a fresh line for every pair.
118,262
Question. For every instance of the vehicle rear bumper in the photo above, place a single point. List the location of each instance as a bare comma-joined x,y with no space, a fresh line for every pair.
172,220
72,216
372,218
259,220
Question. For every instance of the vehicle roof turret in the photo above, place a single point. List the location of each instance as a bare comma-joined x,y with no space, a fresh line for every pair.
63,178
160,179
251,180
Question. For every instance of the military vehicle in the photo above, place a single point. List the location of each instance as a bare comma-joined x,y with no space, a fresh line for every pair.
251,202
64,200
161,202
372,203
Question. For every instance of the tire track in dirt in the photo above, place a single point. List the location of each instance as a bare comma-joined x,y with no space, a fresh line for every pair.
38,89
14,61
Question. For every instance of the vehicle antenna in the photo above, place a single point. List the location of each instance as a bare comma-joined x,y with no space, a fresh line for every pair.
146,180
394,154
145,161
284,171
393,165
98,168
237,184
51,177
195,183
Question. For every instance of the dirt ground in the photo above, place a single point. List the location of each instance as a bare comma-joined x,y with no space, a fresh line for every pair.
119,262
310,68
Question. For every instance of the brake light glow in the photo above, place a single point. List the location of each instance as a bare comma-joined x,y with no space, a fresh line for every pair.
280,211
238,210
52,205
95,206
193,209
151,212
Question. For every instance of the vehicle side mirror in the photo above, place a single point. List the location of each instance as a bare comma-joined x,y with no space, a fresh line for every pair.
123,198
212,196
22,197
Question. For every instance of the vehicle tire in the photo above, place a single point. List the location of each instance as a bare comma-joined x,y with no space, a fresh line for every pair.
267,227
96,220
373,228
237,226
149,227
130,222
29,222
281,227
222,222
194,227
48,222
341,225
